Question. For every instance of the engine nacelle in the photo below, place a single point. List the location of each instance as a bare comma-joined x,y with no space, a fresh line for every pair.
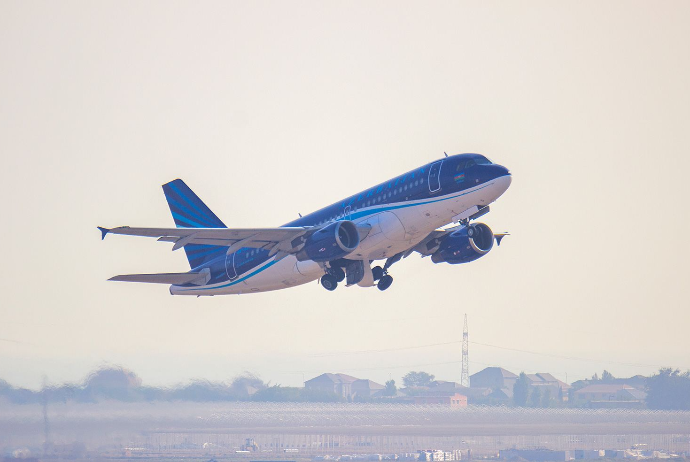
330,242
465,245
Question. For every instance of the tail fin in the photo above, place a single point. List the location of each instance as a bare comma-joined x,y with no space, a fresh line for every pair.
189,211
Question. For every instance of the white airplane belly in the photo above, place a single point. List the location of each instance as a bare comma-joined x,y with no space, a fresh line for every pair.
279,276
386,230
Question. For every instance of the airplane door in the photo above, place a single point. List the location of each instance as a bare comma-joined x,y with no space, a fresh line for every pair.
435,176
347,214
230,267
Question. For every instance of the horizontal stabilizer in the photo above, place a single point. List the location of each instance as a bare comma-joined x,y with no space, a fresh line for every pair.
200,278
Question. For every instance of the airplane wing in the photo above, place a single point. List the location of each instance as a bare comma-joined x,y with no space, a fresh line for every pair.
285,239
430,244
165,278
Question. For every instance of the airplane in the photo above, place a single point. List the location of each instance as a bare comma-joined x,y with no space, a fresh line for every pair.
389,221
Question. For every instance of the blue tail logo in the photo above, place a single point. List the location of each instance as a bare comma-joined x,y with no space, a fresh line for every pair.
189,211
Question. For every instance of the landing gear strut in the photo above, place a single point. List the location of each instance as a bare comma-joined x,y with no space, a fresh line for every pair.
338,274
381,274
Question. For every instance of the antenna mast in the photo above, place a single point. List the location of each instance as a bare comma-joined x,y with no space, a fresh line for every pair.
465,378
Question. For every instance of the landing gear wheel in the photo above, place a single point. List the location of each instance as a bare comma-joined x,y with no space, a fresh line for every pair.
329,282
385,282
377,271
338,274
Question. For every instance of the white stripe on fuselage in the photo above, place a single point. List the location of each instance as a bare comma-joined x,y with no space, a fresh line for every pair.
418,218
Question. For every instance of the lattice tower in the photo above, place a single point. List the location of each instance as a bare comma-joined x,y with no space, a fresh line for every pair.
465,377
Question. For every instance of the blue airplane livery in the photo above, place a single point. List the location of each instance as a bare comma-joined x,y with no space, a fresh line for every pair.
388,222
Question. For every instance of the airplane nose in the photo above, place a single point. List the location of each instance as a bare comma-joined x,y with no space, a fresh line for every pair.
501,179
494,171
500,171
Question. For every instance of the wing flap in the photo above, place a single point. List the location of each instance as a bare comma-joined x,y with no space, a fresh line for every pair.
165,278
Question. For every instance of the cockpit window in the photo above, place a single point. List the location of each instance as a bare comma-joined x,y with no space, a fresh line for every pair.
476,160
481,160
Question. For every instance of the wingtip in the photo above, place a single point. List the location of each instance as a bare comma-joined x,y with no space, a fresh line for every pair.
104,231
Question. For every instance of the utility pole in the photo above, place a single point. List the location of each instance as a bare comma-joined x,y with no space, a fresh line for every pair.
465,377
46,423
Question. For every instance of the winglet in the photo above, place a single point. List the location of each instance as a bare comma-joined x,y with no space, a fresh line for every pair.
103,231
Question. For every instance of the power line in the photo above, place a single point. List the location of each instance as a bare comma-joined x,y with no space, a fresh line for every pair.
14,341
429,345
575,358
384,350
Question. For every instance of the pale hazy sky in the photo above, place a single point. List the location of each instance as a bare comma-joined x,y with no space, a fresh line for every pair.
267,109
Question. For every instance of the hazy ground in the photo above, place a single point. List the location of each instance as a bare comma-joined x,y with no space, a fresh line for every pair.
216,428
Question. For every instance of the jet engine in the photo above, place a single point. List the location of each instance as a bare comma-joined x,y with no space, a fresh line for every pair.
465,245
330,242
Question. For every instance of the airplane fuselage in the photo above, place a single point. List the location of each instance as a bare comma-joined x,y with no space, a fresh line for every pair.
398,213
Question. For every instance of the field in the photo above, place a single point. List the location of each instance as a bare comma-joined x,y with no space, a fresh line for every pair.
218,429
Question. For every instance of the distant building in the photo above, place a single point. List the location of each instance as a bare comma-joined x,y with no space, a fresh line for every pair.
494,378
544,381
442,385
492,385
435,455
366,388
340,384
589,454
344,385
535,455
610,395
453,400
636,381
501,395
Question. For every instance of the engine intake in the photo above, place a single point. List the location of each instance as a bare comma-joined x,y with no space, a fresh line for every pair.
330,242
465,245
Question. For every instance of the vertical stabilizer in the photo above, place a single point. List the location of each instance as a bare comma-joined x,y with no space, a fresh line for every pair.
189,211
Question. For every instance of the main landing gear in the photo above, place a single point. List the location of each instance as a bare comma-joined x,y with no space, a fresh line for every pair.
381,275
330,281
356,271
